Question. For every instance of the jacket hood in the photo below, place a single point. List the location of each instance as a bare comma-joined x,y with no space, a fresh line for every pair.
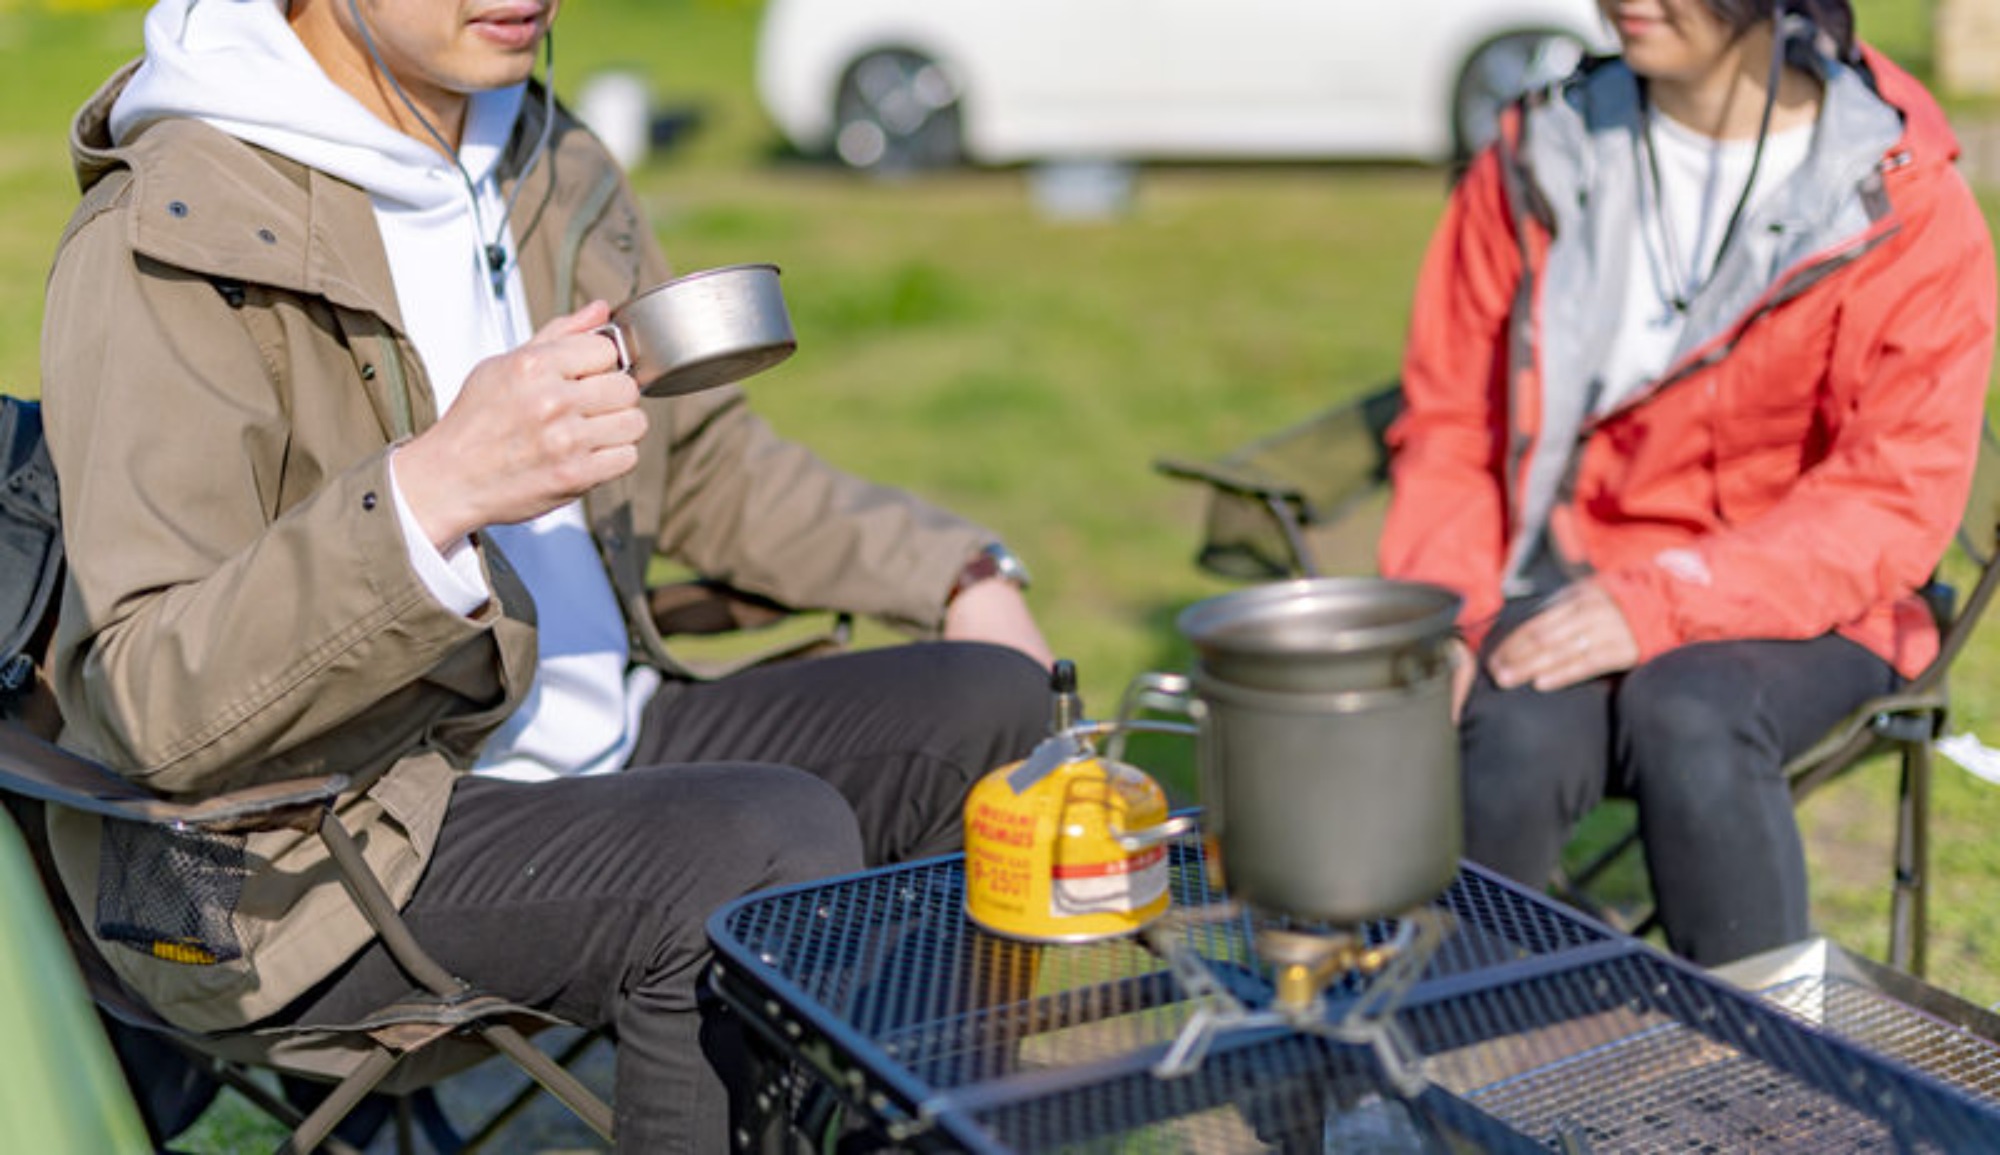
204,201
237,65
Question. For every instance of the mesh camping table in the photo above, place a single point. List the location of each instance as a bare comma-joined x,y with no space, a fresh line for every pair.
1532,1028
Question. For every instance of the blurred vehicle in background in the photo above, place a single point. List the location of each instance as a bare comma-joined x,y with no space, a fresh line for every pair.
898,85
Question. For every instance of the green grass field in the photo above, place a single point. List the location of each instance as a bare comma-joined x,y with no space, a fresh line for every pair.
1028,372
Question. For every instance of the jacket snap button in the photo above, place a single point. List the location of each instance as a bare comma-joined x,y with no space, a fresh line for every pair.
177,208
368,371
267,236
368,500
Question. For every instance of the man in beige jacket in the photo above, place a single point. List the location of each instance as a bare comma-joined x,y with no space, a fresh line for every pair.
351,484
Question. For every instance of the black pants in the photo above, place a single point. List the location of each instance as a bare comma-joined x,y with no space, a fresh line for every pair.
1698,737
587,897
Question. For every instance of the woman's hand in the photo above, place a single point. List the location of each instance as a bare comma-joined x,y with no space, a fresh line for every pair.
532,430
1464,671
1580,635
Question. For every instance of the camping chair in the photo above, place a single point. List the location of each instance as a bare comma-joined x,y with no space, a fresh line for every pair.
401,1047
409,1046
1308,496
1906,723
1282,505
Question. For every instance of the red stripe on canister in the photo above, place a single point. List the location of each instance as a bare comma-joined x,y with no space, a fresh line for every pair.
1117,866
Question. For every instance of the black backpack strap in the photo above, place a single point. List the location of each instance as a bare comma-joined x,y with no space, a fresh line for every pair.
31,548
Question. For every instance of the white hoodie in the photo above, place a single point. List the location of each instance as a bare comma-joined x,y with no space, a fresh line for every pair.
236,65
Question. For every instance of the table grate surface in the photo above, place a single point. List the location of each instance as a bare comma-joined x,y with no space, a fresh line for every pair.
1625,1054
1291,1093
1857,1011
957,1006
1537,1030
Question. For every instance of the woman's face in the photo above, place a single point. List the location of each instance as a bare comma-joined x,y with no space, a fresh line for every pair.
1670,39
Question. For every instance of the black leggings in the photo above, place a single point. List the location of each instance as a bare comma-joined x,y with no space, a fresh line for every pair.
1698,737
586,897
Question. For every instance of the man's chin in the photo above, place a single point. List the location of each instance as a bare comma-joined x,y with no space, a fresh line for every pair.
498,74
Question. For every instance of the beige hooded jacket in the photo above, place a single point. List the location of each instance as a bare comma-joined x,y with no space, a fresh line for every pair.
224,372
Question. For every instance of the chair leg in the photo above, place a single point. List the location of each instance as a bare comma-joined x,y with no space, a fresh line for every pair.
1295,537
557,1080
1590,871
406,1139
1574,887
1908,906
513,1107
355,1087
276,1108
381,913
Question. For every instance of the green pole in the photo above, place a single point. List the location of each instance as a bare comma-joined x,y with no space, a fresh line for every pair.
60,1090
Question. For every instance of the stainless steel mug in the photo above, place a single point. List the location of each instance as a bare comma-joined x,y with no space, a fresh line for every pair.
702,330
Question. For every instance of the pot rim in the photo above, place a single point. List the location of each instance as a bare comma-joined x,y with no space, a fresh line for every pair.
1209,625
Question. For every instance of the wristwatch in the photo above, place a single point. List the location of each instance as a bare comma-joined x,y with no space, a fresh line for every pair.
992,561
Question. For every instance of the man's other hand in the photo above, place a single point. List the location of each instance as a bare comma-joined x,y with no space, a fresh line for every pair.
994,611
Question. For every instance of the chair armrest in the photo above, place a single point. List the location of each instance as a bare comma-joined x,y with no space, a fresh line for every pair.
1231,475
714,629
33,768
1322,465
702,606
1303,501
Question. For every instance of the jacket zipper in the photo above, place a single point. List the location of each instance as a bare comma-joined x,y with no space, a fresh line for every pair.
1792,285
1789,286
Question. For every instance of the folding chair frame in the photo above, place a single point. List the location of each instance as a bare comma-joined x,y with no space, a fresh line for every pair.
34,770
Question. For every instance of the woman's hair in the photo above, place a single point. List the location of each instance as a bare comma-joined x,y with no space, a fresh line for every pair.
1833,18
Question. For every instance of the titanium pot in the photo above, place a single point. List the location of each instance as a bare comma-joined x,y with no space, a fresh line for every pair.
1340,806
1323,634
1324,742
705,329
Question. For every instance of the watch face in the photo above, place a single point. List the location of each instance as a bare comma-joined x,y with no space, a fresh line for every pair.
993,561
1006,565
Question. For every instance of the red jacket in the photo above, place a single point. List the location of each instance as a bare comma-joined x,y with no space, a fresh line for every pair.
1802,470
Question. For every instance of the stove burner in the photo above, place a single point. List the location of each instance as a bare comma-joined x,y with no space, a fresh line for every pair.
1304,964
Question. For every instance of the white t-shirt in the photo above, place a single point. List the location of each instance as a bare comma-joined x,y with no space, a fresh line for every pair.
1680,232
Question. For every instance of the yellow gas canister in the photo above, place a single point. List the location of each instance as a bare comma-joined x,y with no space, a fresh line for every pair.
1066,846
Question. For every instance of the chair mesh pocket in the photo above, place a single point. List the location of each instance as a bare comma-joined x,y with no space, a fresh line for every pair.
170,893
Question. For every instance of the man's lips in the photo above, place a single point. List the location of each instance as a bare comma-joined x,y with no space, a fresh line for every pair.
512,25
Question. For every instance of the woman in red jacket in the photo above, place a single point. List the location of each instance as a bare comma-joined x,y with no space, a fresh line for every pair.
1694,387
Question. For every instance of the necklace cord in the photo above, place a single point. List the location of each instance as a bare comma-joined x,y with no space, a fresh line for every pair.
1681,302
494,251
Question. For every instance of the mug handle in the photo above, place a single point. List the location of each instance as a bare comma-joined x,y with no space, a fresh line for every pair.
617,336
